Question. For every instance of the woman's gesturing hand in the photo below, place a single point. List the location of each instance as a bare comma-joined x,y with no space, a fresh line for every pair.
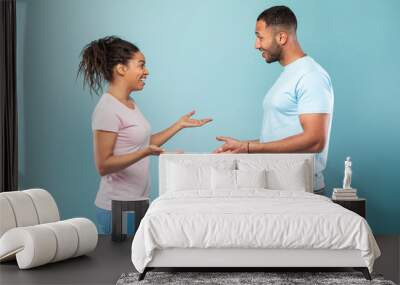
154,150
187,121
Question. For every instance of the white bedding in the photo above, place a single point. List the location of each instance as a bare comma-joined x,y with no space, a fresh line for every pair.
251,218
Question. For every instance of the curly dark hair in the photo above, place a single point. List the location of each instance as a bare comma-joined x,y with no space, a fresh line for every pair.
99,58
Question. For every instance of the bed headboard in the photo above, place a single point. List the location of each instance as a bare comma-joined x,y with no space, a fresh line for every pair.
308,158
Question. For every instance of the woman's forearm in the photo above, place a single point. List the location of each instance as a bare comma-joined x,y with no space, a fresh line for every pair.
115,163
162,137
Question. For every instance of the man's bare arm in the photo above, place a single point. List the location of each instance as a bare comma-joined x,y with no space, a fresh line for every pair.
312,139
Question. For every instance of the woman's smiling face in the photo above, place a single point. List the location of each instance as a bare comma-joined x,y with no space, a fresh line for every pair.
137,71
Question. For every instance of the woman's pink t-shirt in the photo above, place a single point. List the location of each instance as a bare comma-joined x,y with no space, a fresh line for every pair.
133,133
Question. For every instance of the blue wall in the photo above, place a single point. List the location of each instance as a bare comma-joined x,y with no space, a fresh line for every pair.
200,55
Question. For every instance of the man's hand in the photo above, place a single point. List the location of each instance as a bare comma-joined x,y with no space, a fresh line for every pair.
187,121
231,146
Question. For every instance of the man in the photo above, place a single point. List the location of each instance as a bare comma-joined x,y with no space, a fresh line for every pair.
298,107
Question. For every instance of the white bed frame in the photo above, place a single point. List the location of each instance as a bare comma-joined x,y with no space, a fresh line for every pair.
246,257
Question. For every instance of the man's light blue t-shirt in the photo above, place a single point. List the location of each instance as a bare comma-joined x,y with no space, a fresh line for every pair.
302,87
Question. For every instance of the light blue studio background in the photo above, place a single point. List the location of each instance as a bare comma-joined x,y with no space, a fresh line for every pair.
201,56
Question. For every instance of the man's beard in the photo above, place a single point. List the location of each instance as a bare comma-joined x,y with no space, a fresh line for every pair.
274,53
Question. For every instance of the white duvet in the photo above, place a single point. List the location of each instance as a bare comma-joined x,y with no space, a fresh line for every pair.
252,218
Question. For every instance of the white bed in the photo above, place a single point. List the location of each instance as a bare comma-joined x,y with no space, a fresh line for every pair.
201,220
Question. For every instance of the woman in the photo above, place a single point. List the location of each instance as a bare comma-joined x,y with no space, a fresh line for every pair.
122,138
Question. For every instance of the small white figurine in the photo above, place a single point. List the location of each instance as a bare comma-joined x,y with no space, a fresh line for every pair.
347,173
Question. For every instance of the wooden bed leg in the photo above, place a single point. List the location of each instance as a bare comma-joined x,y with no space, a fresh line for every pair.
364,271
143,274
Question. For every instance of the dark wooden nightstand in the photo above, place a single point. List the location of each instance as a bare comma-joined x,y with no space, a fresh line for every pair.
118,207
357,205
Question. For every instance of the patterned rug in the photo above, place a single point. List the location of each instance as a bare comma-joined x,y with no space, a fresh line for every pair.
242,278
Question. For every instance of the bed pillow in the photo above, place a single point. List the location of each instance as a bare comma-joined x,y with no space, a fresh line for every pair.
251,178
237,179
223,179
282,174
187,175
293,178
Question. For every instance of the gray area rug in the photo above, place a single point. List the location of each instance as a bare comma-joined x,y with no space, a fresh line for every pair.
231,278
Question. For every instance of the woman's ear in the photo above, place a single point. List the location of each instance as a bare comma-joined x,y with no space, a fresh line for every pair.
121,69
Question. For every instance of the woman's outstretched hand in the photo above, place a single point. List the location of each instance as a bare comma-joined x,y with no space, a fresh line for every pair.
187,121
154,150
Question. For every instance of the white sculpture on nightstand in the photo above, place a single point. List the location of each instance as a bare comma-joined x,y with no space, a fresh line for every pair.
347,173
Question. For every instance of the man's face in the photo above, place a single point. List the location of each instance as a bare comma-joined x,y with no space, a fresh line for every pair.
266,42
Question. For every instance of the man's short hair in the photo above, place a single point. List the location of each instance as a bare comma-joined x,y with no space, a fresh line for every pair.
279,16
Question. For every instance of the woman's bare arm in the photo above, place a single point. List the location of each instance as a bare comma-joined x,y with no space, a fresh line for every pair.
107,162
185,121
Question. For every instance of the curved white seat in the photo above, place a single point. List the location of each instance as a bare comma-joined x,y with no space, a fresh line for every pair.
46,207
31,233
22,207
32,246
67,240
7,218
87,234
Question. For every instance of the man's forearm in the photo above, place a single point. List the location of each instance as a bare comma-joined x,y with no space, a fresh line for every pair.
297,143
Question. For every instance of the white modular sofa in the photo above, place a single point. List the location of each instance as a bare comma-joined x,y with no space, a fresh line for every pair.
31,231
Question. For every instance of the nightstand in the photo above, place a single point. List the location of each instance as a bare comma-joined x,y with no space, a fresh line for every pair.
357,205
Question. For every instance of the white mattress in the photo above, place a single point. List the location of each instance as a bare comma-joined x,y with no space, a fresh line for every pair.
251,218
